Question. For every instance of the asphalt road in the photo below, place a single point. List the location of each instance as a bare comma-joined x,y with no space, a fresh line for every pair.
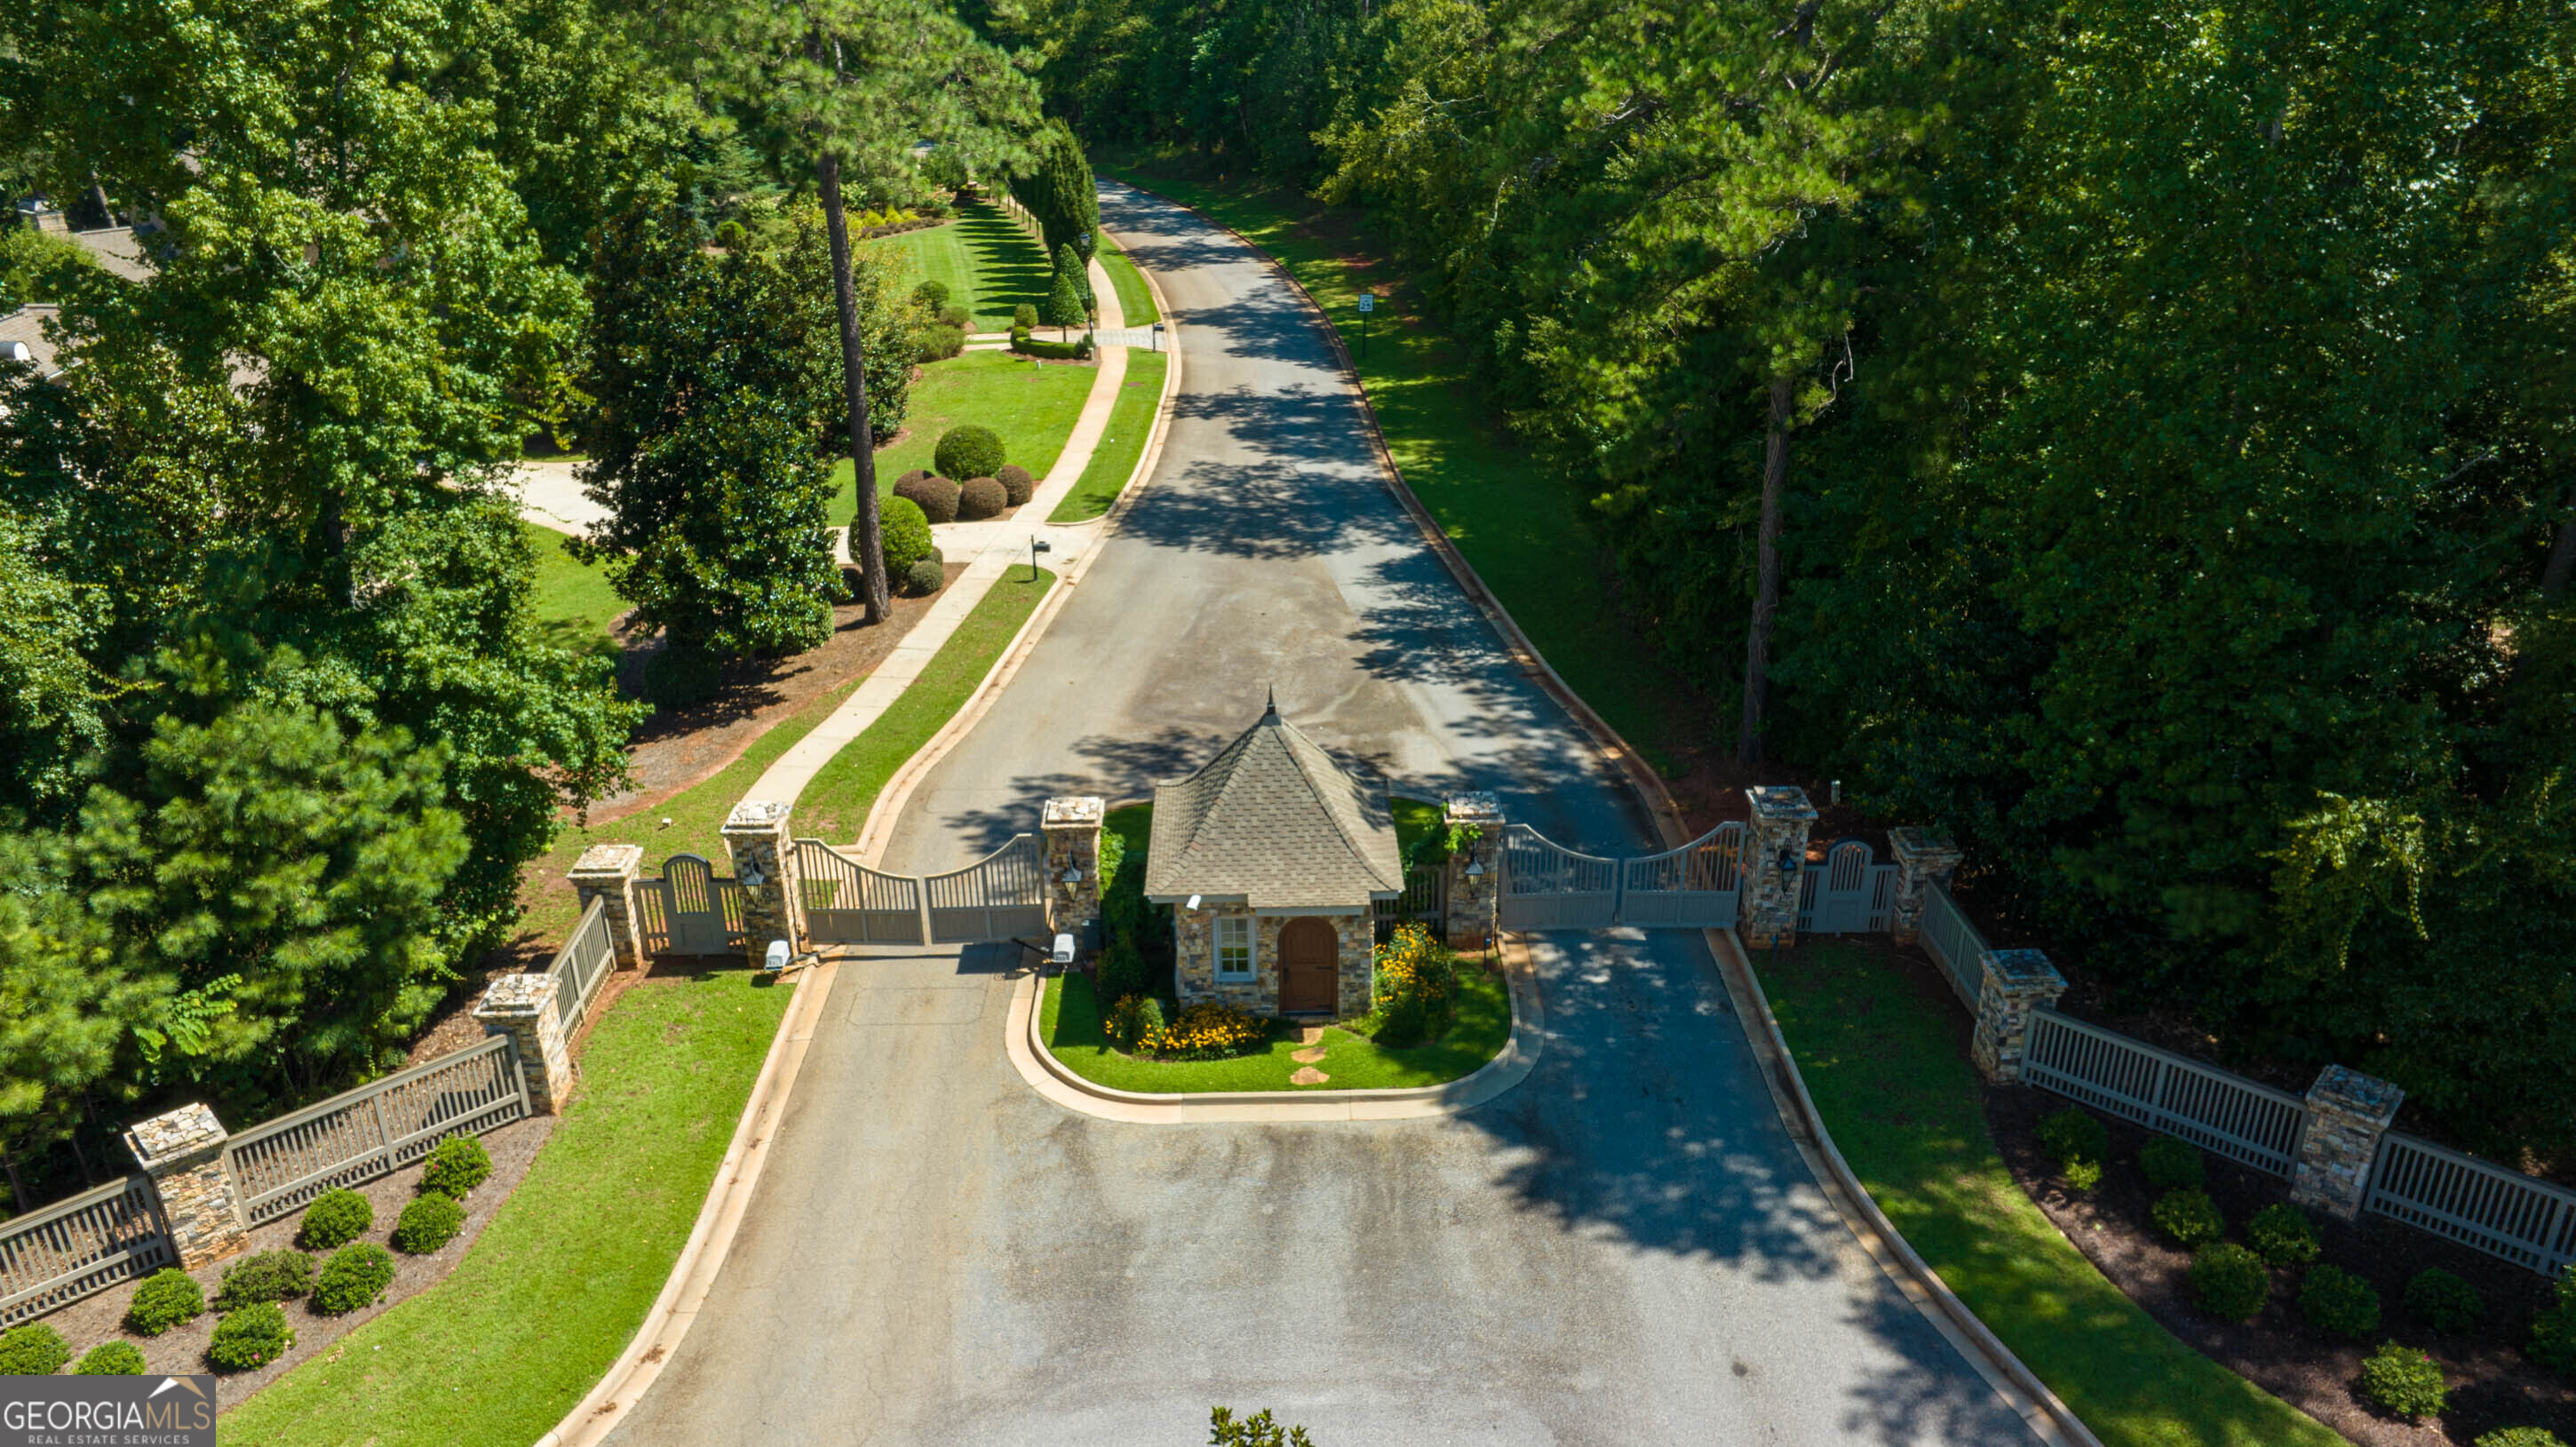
1624,1249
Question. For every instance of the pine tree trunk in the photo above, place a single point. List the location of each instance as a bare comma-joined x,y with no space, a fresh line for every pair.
1766,587
867,538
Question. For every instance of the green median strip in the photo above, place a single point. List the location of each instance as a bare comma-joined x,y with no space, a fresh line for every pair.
1131,421
1135,301
1892,1081
557,1284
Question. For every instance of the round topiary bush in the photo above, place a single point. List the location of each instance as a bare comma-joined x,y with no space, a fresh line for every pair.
428,1223
2074,1135
956,316
2188,1218
925,578
2336,1301
931,295
33,1350
268,1276
1024,317
111,1359
2404,1380
166,1298
2283,1235
938,342
1016,483
250,1338
2442,1301
2519,1437
2229,1281
981,497
969,451
936,496
2171,1165
355,1276
334,1217
456,1167
904,533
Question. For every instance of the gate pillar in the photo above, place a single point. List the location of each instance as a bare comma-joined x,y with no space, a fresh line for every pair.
1475,882
2014,985
183,1153
1924,857
764,862
1072,827
1781,818
607,872
2347,1114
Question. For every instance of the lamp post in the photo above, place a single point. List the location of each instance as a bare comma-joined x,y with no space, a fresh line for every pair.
1037,545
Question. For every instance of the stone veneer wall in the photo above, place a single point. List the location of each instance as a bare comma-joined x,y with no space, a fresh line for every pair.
756,838
183,1153
1924,857
2016,983
2347,1114
1194,959
1781,817
522,1006
1071,824
607,872
1473,899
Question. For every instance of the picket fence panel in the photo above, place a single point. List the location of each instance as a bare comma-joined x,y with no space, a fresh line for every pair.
2211,1108
58,1254
382,1126
1954,945
584,961
2477,1203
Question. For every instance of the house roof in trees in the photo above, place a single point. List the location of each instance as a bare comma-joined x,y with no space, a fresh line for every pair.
1274,821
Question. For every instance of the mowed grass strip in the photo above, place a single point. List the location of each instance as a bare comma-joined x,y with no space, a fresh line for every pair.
1032,406
559,1282
988,264
1131,421
573,602
1518,521
1889,1072
1135,300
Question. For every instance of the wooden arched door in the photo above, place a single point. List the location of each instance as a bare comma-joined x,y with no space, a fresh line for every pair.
1309,967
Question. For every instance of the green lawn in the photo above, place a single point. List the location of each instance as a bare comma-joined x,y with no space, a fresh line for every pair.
1890,1075
557,1284
574,603
1114,460
1517,521
988,264
1071,1025
1032,407
1415,819
1133,299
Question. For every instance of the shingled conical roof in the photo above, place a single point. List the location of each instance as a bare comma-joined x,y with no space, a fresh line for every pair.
1274,821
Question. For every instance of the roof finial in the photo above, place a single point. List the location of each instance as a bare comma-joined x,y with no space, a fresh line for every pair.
1272,710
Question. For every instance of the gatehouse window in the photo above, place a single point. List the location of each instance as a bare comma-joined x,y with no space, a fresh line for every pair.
1234,947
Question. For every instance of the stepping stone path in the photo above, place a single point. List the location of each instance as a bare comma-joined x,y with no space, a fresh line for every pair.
1309,1055
1308,1075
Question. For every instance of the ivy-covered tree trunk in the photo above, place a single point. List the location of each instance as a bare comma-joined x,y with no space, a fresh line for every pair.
867,538
1766,584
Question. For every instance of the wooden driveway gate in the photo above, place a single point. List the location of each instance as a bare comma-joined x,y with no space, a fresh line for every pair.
1001,896
1548,886
847,903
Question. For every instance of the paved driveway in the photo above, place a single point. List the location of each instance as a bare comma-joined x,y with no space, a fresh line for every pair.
1624,1249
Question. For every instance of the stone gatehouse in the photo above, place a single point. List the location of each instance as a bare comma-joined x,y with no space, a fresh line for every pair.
1273,858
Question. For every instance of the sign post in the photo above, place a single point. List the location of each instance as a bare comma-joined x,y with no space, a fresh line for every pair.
1368,303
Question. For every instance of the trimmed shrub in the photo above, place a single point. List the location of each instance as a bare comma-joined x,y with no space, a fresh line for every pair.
2518,1437
916,475
2283,1235
936,496
968,451
111,1359
1016,483
2404,1380
2229,1281
1030,346
925,578
931,296
981,497
2074,1135
2189,1218
1120,971
1024,317
33,1350
904,532
429,1222
1082,347
268,1276
2442,1301
956,316
2337,1302
2553,1331
1211,1031
456,1167
355,1276
2082,1176
335,1218
1135,1023
250,1338
938,342
166,1298
2171,1165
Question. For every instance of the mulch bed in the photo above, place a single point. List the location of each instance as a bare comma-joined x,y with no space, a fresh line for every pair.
182,1349
2492,1385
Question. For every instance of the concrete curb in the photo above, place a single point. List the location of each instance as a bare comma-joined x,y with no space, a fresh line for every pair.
2020,1387
1510,1066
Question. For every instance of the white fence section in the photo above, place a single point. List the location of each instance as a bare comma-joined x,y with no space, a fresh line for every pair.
581,964
2474,1202
2211,1108
381,1126
846,902
1850,893
63,1252
1698,885
1954,945
1548,886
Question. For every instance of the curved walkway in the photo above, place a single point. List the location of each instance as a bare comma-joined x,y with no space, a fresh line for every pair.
1625,1248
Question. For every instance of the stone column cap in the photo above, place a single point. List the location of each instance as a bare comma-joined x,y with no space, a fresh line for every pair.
1923,844
1473,806
756,816
2352,1093
1073,811
2023,971
517,996
191,1130
1779,802
609,861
